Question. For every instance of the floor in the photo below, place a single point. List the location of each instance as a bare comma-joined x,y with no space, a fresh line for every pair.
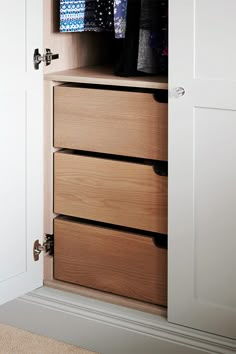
17,341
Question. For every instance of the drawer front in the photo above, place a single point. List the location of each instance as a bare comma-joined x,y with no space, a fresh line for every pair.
109,260
114,122
116,192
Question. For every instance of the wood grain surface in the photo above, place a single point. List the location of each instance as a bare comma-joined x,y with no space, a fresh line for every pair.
115,122
116,192
104,75
113,261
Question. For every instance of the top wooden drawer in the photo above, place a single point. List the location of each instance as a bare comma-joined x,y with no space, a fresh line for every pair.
108,121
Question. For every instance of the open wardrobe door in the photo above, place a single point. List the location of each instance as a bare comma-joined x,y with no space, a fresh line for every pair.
21,178
202,165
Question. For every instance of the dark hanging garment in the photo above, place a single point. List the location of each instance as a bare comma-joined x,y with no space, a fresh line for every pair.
89,20
153,37
126,49
104,14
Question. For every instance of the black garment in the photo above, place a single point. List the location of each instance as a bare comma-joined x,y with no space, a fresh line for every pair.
153,37
151,14
104,14
126,49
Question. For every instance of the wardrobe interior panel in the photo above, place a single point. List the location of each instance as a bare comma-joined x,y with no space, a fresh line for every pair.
75,49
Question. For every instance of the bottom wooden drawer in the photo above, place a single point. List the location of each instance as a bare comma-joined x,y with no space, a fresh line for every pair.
118,262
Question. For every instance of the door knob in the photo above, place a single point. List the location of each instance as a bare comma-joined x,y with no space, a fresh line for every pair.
177,92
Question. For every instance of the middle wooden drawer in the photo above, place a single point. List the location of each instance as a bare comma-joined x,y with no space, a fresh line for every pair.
116,192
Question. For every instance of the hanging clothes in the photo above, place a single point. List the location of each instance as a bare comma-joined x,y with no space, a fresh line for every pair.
120,17
72,15
153,37
78,16
126,49
89,17
104,10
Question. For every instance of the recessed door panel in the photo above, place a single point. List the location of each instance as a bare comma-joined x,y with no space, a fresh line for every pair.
215,206
13,186
214,29
13,38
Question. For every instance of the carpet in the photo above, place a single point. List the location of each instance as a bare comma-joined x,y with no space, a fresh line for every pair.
17,341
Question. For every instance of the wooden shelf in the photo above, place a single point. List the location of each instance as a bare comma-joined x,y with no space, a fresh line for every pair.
101,75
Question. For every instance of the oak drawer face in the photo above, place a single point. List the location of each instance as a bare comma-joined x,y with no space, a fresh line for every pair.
109,260
115,122
111,191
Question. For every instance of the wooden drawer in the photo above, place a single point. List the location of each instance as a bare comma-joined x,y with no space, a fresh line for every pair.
111,191
108,121
109,260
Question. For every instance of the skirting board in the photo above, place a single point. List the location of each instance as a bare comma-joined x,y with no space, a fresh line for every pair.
106,328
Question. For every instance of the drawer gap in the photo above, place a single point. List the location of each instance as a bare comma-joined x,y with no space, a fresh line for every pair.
156,92
160,240
158,165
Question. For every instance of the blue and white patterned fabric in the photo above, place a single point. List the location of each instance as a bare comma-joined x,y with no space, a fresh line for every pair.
77,16
120,12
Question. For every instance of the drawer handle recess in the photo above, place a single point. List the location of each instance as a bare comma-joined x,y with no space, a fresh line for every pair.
160,241
161,168
161,96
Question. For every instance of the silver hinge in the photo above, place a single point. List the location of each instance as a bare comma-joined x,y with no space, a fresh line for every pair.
46,58
47,247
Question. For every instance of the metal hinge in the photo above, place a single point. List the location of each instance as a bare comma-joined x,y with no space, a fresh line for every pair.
47,247
46,58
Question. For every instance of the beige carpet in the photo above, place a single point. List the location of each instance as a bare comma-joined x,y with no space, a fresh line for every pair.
17,341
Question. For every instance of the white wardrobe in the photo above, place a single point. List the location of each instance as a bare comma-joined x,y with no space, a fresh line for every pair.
201,307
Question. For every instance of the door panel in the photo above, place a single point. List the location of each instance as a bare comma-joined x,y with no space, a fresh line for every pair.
214,27
214,206
13,189
21,177
13,41
202,166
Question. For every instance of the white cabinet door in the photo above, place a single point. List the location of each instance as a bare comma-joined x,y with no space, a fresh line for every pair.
202,165
21,158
